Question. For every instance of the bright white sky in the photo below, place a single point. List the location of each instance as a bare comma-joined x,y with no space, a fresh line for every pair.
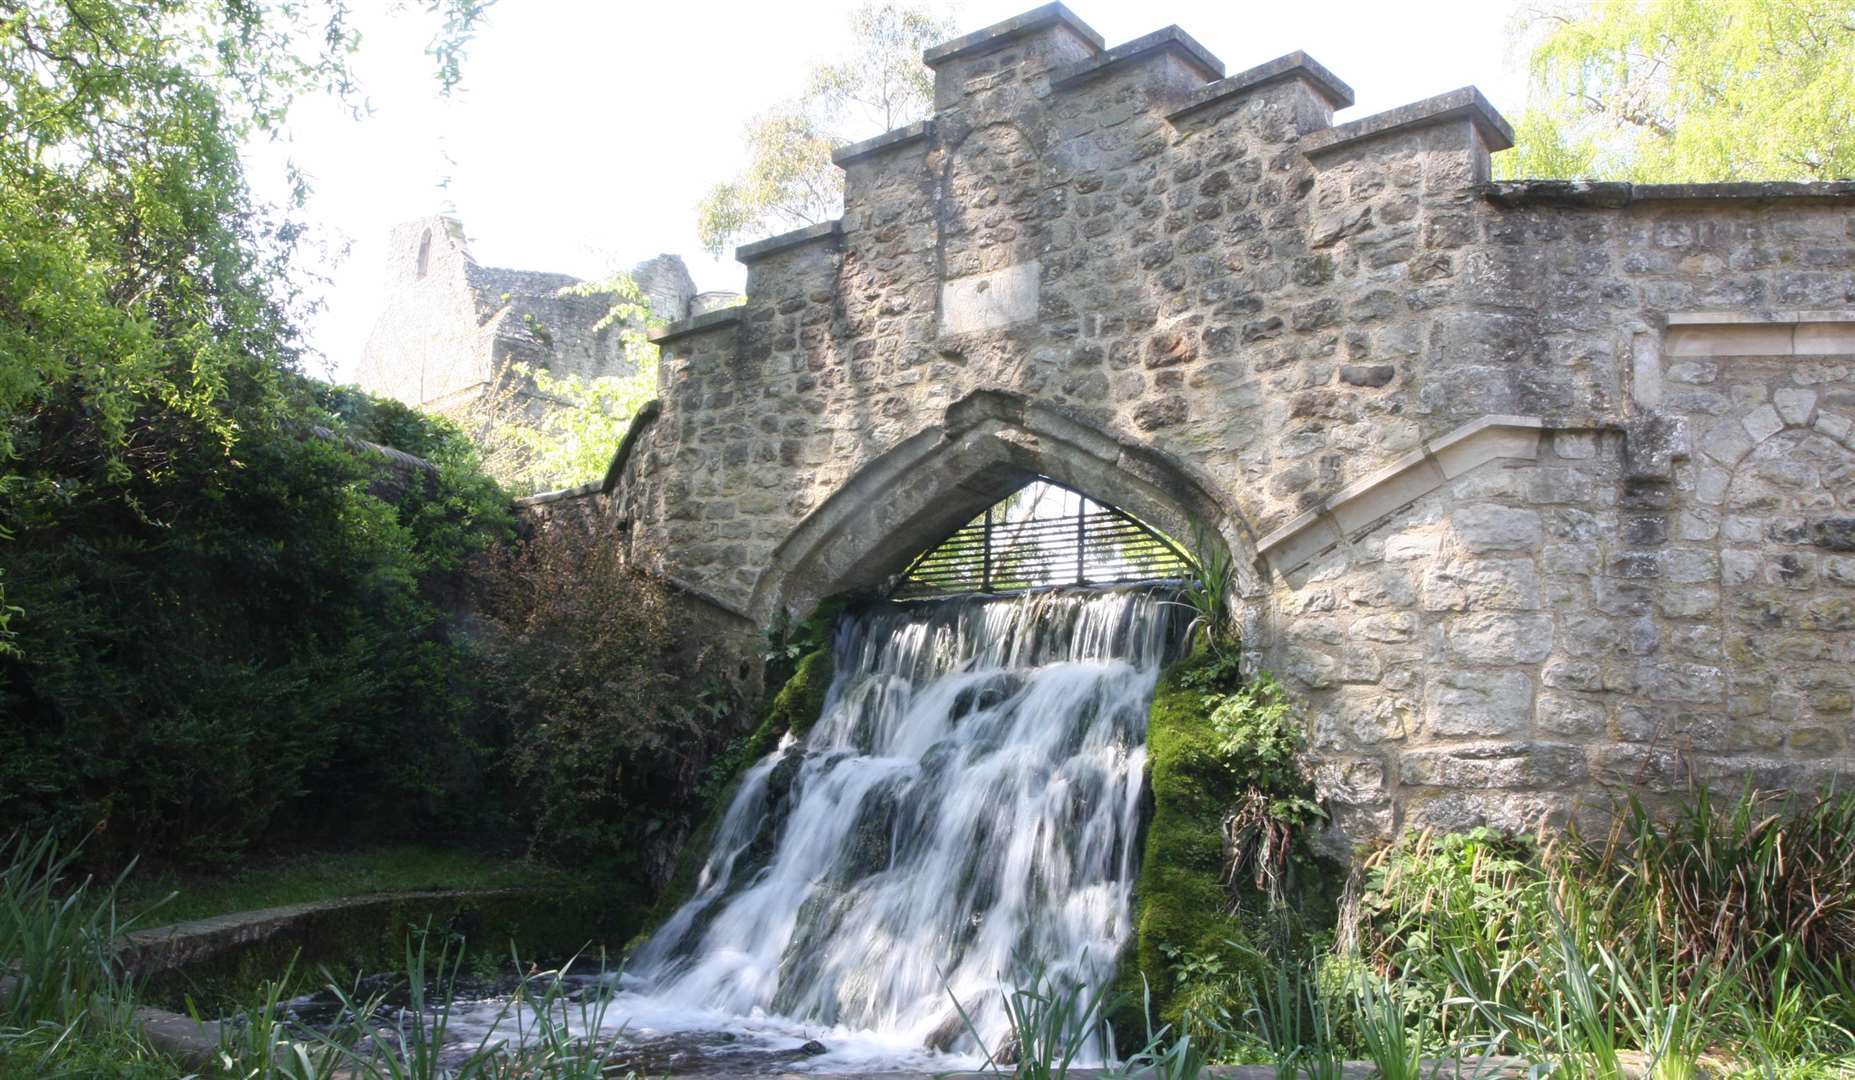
586,130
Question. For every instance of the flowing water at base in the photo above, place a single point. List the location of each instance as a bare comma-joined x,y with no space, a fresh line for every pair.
970,797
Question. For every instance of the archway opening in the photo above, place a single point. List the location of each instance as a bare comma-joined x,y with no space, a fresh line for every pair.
1043,535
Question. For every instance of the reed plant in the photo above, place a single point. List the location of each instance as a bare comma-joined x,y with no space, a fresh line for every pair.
1716,934
1298,1021
1052,1023
1391,1036
544,1031
57,937
1165,1055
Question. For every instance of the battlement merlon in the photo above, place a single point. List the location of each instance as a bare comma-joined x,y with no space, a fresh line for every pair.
1042,39
1459,122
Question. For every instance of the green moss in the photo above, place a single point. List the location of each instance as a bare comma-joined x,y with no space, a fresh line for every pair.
800,703
1181,905
1180,901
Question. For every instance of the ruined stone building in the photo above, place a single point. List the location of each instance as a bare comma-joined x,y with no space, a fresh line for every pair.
1537,490
449,329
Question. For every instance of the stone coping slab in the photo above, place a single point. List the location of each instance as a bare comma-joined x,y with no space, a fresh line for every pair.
161,948
760,249
1618,193
1295,65
888,140
1000,34
1371,498
1465,103
696,324
1170,38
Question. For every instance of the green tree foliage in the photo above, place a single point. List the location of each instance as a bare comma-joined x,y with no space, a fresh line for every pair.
1691,90
789,180
223,612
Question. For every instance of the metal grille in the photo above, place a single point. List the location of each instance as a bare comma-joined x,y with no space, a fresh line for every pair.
1041,536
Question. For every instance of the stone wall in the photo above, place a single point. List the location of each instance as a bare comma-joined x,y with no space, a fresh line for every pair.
1537,491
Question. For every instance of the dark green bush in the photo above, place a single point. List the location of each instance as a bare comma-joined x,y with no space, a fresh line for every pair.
612,723
232,645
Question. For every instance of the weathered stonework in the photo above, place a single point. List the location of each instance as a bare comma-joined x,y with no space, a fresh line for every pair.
449,329
1537,490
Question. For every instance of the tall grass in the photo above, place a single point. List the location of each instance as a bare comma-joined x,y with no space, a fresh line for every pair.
1052,1023
374,1042
57,934
1720,933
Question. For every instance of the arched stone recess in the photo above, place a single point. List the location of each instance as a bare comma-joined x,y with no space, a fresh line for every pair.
989,444
1776,485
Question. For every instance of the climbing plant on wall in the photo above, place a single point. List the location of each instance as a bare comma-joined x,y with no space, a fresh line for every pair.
542,431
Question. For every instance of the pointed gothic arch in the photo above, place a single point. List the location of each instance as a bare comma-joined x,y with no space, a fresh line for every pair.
990,444
1043,536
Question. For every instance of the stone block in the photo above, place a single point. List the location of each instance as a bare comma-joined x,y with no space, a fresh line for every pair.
1568,714
1482,585
1763,422
990,301
1487,527
1794,405
1471,703
1501,638
1493,765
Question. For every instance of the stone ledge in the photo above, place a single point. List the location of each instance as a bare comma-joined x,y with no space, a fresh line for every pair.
1170,39
543,498
1296,65
714,319
1759,315
161,948
772,245
627,444
1760,333
888,140
1614,195
1371,498
1001,34
1464,104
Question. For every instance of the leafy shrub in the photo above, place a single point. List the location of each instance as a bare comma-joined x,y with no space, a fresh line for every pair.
586,668
219,649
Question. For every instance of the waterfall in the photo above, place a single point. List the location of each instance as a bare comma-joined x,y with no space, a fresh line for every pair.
970,794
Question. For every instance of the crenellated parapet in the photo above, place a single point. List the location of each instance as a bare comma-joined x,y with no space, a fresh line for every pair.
1516,474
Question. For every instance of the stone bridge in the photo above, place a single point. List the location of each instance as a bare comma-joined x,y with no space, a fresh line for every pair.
1537,489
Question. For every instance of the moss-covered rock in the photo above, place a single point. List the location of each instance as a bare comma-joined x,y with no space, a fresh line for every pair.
1179,901
1182,907
799,704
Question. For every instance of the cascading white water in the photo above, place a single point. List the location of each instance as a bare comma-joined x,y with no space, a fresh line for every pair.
971,795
